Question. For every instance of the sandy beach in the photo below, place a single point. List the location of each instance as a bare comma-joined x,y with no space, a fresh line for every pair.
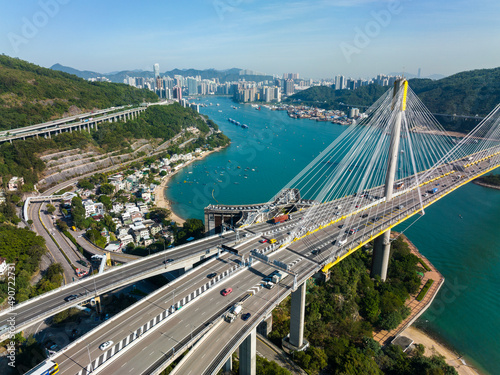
162,202
433,347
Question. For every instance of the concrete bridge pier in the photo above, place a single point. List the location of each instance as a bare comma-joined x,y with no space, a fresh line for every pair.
381,255
248,356
266,326
228,366
296,339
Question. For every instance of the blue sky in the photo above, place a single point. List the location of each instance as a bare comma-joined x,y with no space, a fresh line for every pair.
323,38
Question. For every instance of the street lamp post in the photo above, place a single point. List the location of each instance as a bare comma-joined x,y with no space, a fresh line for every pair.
90,359
165,254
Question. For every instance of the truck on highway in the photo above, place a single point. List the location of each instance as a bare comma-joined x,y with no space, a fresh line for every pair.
233,313
281,219
277,277
272,240
434,191
400,185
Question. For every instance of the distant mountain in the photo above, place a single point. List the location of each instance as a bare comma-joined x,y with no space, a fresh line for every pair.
466,93
86,74
410,75
30,94
226,75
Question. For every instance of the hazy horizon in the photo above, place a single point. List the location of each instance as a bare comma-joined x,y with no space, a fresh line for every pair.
317,39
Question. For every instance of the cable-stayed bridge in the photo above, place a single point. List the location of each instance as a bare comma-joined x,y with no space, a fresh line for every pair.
380,172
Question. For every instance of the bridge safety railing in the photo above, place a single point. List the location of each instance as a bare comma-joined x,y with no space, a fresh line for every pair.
154,323
90,279
256,318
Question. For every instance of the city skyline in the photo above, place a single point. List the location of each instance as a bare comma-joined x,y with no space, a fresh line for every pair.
318,39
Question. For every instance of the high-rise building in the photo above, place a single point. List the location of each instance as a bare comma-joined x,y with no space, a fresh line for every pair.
192,86
419,71
290,76
289,87
340,83
277,94
168,83
156,70
178,93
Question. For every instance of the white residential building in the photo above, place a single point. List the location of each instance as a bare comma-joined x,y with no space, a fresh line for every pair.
3,266
15,183
126,240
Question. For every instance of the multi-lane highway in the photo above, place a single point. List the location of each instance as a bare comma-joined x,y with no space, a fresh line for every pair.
310,230
42,307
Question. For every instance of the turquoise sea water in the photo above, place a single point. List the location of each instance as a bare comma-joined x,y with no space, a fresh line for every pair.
460,234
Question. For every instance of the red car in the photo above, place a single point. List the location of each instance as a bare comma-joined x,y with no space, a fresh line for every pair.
263,240
226,291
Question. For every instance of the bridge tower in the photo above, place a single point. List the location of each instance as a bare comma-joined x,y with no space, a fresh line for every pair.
382,247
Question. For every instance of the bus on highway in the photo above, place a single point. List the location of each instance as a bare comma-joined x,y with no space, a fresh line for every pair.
45,368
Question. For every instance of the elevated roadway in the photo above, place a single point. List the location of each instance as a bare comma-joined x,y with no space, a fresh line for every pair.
295,245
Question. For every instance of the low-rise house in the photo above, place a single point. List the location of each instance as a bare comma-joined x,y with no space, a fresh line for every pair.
122,231
136,215
15,183
148,223
89,206
126,217
117,207
125,240
114,246
147,241
119,185
99,208
143,208
155,228
3,266
116,177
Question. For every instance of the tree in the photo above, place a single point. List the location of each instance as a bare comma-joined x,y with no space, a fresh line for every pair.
109,223
106,201
160,215
62,225
106,189
78,212
85,184
96,238
390,320
50,209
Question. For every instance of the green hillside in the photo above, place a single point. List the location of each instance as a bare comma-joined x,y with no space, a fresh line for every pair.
466,93
30,94
157,124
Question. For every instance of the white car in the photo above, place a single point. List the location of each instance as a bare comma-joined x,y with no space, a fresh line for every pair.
106,345
342,241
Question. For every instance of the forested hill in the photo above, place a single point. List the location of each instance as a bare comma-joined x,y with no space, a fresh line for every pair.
30,94
466,93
